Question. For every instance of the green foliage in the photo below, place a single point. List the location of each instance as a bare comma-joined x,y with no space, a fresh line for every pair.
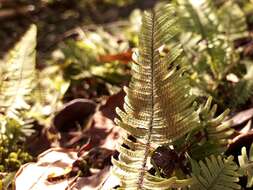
208,39
216,173
213,30
12,155
215,132
48,94
7,181
242,90
82,58
17,75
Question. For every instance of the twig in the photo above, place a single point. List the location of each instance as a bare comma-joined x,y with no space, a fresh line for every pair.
80,30
7,13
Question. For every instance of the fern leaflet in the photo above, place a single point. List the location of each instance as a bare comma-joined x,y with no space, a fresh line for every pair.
246,163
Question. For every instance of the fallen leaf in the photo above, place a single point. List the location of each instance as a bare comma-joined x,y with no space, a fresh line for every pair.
116,100
243,138
242,116
32,176
74,111
111,182
103,132
246,128
124,57
93,182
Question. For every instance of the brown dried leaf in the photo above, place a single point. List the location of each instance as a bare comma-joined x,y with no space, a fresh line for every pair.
32,176
124,57
242,116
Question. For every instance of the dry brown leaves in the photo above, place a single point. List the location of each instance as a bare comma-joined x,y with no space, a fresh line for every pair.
102,133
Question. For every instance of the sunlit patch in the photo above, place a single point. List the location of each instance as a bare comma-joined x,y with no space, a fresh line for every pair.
197,3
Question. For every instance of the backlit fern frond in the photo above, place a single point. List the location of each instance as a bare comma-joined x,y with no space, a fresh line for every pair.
157,108
216,173
246,164
17,73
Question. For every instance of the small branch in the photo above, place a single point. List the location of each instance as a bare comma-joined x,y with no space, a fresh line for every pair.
7,13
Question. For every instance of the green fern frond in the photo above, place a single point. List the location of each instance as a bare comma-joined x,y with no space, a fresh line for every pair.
233,23
246,164
217,129
198,17
216,132
17,74
157,108
216,173
200,20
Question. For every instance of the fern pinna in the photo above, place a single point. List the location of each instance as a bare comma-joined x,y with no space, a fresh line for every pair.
157,108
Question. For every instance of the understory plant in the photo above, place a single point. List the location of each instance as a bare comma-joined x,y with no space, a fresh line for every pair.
99,54
170,142
217,66
16,83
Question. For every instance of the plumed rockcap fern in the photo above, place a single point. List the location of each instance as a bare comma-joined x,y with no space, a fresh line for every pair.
16,82
17,73
157,108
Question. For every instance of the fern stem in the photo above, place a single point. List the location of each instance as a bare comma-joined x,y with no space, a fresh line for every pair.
141,178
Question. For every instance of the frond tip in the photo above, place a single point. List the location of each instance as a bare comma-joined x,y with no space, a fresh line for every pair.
246,165
157,108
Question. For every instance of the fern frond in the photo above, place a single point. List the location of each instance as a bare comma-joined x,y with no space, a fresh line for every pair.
233,23
17,73
217,129
216,173
200,18
246,164
157,108
216,132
